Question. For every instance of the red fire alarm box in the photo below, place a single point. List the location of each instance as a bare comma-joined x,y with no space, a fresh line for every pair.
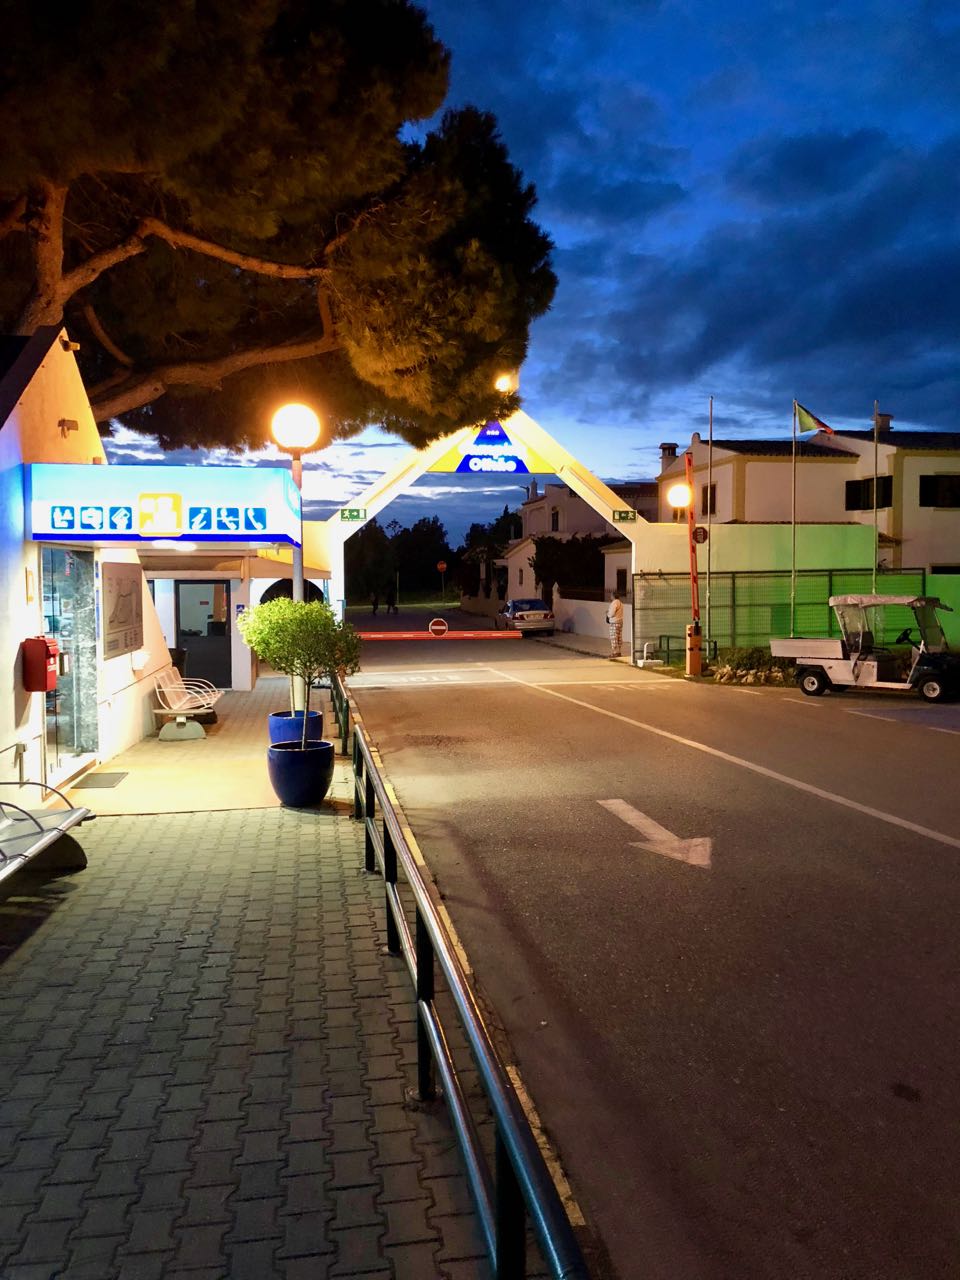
40,664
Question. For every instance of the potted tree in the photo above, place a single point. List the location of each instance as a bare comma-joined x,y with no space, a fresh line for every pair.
266,629
305,641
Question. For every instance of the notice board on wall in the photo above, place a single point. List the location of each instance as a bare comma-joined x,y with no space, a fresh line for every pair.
122,589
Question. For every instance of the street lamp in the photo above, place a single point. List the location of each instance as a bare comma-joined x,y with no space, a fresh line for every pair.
680,495
296,429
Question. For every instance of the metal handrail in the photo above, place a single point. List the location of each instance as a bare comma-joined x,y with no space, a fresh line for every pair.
520,1183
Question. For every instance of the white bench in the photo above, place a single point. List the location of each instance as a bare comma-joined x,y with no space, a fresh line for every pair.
25,833
180,702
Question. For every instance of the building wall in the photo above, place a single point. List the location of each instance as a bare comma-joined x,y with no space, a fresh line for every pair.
931,535
573,514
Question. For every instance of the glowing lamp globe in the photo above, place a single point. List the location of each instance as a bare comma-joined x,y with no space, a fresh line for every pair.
679,495
295,427
505,382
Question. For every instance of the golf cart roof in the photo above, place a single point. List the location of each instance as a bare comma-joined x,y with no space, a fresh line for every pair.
910,601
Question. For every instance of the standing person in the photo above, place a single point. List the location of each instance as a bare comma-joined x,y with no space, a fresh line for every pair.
391,599
374,601
615,623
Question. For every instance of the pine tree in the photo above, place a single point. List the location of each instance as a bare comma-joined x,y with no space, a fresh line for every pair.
225,206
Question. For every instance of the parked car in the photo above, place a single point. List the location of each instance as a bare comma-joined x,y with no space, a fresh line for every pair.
525,616
860,659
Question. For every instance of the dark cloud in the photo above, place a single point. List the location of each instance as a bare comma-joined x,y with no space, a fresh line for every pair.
808,166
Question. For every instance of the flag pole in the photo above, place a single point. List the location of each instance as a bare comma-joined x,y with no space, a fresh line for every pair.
876,469
793,527
709,515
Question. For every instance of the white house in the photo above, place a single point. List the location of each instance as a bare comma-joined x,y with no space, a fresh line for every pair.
918,487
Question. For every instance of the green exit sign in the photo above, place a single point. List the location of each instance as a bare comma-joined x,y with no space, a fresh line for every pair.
353,513
624,517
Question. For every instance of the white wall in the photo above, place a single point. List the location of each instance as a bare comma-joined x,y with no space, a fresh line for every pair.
589,618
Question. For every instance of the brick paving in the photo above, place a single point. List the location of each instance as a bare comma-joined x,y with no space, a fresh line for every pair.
205,1054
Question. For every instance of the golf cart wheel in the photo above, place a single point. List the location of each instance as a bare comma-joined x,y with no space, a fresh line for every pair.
931,689
812,682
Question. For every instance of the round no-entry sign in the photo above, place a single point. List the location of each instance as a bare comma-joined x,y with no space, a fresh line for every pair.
441,566
438,627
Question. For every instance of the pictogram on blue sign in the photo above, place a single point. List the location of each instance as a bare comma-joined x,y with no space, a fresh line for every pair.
254,519
62,517
91,518
121,519
228,519
200,519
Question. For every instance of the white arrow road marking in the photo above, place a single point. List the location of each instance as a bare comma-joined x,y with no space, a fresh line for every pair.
658,839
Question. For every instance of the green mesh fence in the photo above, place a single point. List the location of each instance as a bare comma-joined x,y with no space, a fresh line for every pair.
743,610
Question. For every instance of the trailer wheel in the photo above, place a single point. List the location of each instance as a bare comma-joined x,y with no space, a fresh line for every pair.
931,689
812,681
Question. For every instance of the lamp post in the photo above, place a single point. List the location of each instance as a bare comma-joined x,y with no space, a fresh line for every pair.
296,429
680,495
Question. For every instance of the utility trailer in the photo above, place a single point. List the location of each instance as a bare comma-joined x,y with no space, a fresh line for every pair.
860,659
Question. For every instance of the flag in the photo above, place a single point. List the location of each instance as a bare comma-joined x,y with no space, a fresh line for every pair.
808,422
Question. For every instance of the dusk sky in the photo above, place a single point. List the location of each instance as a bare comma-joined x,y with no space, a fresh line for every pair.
758,202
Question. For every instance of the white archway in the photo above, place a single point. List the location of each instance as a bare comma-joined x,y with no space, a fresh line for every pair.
519,446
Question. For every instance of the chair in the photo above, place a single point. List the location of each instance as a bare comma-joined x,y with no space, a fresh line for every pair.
25,833
183,700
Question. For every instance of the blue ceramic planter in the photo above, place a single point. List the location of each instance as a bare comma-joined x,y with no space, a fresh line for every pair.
286,726
300,778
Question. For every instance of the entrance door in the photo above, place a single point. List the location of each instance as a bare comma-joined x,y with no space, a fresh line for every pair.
69,610
203,630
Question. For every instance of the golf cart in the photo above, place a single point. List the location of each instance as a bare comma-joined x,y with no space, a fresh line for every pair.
861,660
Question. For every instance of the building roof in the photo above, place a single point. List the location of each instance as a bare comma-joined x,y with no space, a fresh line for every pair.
779,448
20,358
910,439
631,489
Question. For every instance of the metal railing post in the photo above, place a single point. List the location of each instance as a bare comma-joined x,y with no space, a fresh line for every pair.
357,779
426,1084
511,1263
390,883
369,809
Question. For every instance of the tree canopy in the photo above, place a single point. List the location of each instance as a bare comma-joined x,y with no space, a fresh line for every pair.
228,207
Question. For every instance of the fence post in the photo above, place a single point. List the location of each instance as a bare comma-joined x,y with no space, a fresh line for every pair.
426,1084
509,1217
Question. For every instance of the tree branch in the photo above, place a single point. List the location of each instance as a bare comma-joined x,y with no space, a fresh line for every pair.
247,262
110,398
101,335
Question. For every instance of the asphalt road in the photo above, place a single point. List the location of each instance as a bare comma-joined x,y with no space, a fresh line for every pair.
743,1046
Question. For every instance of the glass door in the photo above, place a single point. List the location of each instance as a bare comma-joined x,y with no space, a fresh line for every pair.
203,630
69,612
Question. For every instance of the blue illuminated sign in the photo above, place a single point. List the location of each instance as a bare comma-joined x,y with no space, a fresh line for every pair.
78,503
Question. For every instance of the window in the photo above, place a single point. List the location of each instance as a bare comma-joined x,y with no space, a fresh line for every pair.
860,493
554,520
622,581
520,577
945,568
711,508
940,490
679,515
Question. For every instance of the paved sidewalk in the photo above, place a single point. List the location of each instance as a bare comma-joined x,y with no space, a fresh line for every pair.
594,646
204,1059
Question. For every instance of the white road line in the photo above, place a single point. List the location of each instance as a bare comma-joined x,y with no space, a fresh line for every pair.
870,715
760,769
